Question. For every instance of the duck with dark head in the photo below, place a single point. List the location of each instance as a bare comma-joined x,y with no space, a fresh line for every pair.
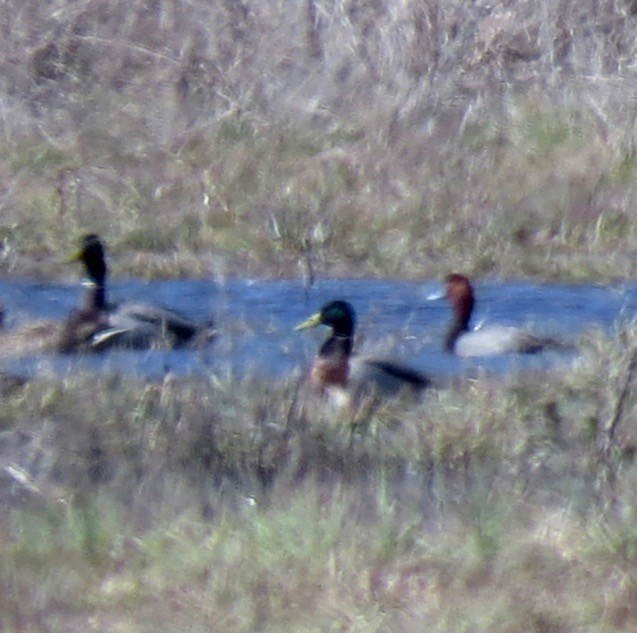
487,341
97,325
135,325
344,376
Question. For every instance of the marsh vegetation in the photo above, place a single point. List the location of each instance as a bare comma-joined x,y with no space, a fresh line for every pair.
500,505
387,139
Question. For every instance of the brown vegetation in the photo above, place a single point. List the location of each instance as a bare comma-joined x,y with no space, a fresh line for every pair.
494,505
382,138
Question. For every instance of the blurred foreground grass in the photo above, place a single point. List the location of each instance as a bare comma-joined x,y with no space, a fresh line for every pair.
200,504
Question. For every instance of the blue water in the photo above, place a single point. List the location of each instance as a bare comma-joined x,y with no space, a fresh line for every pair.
255,319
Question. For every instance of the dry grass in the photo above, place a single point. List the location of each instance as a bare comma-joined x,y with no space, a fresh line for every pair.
397,139
202,503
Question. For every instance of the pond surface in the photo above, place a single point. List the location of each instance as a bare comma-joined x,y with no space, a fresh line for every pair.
255,318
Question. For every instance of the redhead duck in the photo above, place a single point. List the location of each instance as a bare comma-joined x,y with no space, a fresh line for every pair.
133,325
344,376
487,341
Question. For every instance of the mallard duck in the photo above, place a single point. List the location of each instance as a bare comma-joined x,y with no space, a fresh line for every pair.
488,341
95,325
344,376
135,325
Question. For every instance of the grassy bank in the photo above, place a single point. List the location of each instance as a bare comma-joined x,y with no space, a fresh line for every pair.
386,140
494,505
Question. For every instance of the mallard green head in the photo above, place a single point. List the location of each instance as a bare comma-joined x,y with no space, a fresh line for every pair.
91,254
339,315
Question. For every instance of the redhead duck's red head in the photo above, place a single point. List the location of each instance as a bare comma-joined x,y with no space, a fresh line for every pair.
459,293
